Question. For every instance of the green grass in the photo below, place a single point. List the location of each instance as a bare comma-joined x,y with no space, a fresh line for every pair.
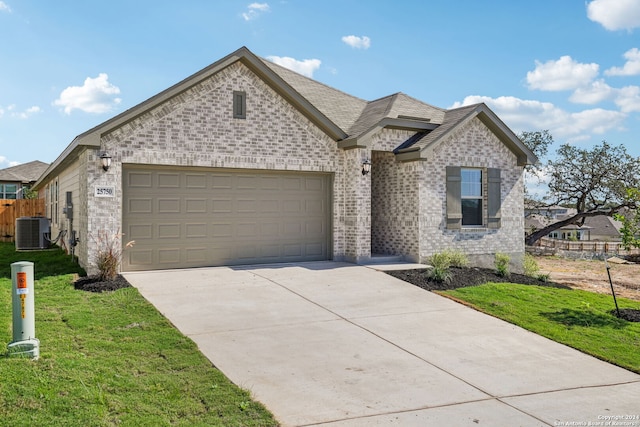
579,319
108,359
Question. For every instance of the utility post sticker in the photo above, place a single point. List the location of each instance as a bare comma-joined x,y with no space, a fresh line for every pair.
22,290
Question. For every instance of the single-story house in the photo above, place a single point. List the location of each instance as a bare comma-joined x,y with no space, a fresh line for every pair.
248,162
15,180
601,228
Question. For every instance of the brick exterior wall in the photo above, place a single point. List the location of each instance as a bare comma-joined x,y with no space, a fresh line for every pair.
399,208
472,146
197,128
394,206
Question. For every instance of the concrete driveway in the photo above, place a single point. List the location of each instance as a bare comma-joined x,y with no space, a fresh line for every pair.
337,344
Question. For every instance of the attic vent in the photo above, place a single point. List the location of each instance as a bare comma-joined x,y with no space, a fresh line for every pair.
422,119
30,233
239,105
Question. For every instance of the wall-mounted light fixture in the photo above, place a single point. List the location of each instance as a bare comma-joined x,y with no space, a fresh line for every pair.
366,167
105,160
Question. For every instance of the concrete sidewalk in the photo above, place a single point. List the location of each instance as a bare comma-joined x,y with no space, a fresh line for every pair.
337,344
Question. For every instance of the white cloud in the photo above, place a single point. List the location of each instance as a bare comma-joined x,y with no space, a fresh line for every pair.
629,99
596,92
630,68
527,115
615,14
4,7
27,113
12,111
4,161
306,67
356,42
94,96
563,74
254,10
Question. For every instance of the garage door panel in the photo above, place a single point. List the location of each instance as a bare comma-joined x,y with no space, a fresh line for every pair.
139,206
196,256
169,256
169,231
140,180
221,206
195,181
168,205
221,181
139,257
168,180
196,230
195,206
139,231
189,217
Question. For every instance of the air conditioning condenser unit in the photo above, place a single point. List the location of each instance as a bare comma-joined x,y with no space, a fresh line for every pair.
31,233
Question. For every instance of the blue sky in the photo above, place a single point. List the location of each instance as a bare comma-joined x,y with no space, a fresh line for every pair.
572,67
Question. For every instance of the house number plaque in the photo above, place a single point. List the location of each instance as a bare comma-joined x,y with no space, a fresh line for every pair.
105,192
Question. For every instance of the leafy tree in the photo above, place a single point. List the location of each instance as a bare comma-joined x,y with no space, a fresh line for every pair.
630,230
593,181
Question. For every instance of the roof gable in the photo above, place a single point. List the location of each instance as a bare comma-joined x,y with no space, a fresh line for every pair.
24,173
456,118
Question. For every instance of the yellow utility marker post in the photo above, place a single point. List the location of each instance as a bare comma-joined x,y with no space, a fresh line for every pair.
25,343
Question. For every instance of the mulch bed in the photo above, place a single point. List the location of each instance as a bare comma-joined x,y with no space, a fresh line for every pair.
94,284
628,314
462,277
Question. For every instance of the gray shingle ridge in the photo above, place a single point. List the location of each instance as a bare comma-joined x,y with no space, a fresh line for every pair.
341,108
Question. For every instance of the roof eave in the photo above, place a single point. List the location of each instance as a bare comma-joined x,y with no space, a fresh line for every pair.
363,140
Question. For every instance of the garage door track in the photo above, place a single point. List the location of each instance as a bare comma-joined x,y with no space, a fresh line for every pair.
334,344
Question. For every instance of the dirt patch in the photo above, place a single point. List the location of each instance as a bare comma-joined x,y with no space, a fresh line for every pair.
592,275
94,284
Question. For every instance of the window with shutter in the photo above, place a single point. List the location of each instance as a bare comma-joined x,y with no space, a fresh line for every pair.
467,198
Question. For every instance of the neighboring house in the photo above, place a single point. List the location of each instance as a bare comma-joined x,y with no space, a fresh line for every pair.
14,180
596,228
249,162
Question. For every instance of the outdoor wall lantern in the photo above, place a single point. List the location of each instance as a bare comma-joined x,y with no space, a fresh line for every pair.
366,167
105,160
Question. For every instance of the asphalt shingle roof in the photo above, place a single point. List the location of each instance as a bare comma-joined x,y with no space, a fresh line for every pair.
24,173
339,107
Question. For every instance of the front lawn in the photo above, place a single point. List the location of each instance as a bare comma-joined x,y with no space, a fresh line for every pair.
577,318
108,359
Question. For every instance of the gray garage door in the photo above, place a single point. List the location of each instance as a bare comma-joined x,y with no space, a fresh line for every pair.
193,217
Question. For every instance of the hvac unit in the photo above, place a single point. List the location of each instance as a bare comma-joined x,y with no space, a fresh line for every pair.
32,232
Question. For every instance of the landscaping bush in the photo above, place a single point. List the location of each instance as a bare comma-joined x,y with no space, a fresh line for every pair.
440,263
457,258
530,266
502,264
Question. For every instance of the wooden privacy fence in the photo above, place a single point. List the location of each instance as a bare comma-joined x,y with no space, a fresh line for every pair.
12,209
585,246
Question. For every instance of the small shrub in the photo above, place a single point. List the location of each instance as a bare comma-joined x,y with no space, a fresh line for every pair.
530,266
107,259
440,263
457,258
502,264
544,277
